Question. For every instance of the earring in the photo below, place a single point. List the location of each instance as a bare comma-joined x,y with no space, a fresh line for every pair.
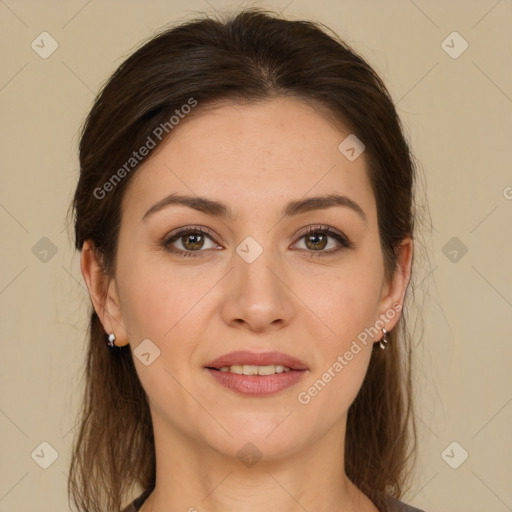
110,338
384,340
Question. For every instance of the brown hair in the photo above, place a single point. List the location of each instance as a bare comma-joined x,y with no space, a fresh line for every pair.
250,56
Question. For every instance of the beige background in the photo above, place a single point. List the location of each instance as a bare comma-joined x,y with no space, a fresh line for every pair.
457,112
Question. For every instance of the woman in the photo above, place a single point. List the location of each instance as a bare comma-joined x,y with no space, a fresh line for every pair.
245,219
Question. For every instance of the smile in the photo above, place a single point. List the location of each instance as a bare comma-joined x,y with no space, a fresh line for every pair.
248,369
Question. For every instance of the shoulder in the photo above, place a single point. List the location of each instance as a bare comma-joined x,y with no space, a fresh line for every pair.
135,505
395,505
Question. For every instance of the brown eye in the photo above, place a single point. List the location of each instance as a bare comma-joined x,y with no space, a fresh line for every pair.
316,239
189,242
195,240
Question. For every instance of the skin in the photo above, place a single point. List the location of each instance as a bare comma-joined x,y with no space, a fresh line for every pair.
255,159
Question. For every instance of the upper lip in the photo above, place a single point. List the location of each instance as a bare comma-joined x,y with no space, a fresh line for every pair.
243,357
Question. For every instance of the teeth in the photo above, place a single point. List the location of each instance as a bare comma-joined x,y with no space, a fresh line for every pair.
248,369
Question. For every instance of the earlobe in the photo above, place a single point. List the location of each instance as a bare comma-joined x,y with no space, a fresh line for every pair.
103,294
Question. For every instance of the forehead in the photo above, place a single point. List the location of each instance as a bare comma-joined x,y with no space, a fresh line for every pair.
252,157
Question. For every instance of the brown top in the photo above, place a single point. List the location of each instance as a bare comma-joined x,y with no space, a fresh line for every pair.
393,504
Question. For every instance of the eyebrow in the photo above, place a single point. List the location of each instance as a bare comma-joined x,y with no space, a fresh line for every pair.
219,209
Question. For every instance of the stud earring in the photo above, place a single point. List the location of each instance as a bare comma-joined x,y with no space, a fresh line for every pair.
384,340
110,338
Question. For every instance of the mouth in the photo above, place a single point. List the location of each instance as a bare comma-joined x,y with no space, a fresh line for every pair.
256,363
248,369
257,374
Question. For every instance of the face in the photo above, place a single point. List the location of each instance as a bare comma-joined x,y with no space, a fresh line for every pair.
252,278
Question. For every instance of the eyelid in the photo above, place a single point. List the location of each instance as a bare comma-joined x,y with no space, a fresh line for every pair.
324,229
192,228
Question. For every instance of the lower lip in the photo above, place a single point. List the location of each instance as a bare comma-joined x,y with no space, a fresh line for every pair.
257,385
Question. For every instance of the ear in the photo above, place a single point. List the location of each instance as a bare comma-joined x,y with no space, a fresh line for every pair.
394,290
103,293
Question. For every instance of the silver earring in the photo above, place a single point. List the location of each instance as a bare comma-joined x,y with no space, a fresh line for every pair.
110,338
384,340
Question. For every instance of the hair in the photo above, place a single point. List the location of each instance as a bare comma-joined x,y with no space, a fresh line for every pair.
247,57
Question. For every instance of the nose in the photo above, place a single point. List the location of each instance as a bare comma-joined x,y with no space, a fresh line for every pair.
257,296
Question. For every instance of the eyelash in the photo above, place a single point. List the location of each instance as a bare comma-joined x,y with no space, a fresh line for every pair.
342,240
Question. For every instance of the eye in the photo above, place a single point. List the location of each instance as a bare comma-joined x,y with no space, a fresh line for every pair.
192,240
316,239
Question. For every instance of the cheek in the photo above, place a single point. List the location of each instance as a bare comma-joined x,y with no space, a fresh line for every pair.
347,305
326,398
348,308
156,302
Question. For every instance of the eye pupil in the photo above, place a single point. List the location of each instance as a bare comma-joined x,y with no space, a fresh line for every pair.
195,245
320,243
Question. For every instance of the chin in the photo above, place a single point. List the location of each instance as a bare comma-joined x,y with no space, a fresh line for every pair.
257,443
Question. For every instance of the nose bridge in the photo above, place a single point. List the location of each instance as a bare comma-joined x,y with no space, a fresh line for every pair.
257,294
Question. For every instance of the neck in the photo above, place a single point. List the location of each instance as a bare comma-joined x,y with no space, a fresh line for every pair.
193,477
